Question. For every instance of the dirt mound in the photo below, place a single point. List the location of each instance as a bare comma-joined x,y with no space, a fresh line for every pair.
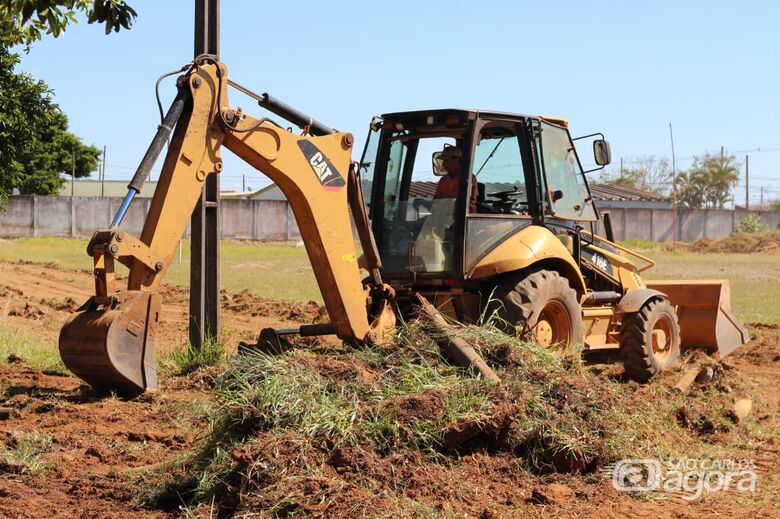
308,436
764,243
343,432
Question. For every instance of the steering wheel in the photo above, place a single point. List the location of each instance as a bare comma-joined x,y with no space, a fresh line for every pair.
505,195
505,202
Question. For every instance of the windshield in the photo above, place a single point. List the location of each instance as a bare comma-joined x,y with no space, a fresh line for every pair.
567,189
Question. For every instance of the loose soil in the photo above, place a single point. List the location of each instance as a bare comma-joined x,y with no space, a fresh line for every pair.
759,243
101,447
38,298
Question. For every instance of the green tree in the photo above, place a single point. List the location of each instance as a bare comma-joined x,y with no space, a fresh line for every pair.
25,109
775,205
26,21
709,181
54,152
35,146
647,173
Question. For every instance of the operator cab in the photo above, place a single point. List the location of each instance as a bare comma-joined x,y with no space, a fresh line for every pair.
514,171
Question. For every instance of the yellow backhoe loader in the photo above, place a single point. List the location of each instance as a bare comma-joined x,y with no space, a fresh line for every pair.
513,237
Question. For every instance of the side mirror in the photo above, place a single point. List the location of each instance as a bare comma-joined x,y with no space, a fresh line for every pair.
437,164
601,152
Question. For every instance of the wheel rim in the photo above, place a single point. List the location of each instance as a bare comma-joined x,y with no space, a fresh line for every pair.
553,325
662,339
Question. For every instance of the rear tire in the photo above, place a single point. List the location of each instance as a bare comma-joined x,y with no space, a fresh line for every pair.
650,340
541,307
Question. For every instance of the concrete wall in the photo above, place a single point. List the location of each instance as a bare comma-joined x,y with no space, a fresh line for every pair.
691,224
273,220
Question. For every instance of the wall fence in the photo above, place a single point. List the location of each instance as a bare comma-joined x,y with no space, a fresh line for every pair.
271,220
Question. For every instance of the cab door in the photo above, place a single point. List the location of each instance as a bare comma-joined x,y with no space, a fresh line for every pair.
505,187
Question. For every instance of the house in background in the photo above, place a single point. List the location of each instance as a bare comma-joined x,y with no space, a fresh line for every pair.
610,196
269,192
115,188
606,196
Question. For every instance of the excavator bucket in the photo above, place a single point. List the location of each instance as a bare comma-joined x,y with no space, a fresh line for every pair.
111,345
704,311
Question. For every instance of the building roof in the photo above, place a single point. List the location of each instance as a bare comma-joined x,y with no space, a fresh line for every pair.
114,188
600,192
625,193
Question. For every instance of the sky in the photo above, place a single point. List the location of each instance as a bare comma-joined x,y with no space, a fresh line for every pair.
626,69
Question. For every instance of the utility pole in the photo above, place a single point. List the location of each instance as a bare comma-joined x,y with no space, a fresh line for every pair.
73,175
243,183
103,175
762,197
747,182
674,192
204,225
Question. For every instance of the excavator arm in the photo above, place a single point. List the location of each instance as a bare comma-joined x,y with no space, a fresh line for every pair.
110,342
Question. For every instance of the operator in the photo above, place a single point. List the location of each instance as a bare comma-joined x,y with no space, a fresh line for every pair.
448,184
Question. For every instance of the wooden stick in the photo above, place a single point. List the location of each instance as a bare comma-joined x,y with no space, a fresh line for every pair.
686,380
458,350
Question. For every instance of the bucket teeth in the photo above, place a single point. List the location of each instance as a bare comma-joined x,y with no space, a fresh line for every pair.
111,346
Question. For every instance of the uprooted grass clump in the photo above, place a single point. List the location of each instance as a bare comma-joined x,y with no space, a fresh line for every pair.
331,433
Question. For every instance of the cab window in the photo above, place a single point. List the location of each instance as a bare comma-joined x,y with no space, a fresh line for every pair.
567,195
502,203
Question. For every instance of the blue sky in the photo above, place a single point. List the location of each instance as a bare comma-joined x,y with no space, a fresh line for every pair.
628,70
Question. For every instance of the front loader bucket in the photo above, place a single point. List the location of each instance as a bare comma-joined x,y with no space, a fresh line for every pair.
704,311
111,346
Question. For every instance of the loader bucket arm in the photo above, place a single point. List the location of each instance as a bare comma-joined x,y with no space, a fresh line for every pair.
704,311
110,342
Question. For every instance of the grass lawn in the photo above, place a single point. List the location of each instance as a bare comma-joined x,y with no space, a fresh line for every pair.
274,271
755,279
282,271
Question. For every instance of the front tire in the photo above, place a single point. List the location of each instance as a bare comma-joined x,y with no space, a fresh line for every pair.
650,340
541,307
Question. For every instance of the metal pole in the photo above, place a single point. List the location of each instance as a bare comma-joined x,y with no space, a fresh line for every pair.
204,257
103,175
747,182
73,175
674,192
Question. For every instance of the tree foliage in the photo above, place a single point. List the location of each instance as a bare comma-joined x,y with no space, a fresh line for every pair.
35,146
648,173
25,109
708,183
26,21
51,153
751,223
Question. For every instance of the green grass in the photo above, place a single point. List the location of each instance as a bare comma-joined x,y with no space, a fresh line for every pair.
24,452
187,359
755,279
275,271
31,351
279,419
